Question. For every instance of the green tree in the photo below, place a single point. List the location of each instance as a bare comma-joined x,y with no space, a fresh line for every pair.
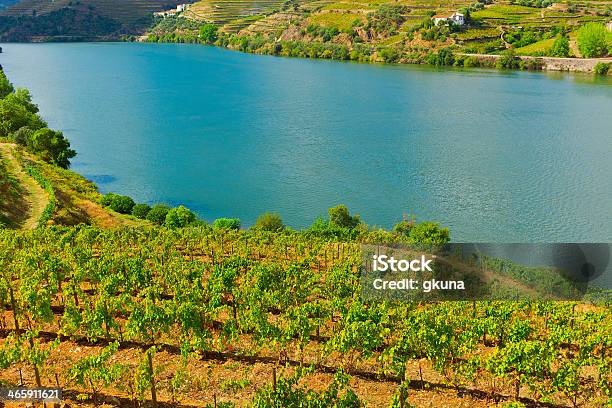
179,217
269,222
158,214
340,216
403,227
15,113
592,40
227,223
208,33
429,233
560,47
22,135
25,98
5,85
141,211
507,60
601,68
52,147
122,204
107,199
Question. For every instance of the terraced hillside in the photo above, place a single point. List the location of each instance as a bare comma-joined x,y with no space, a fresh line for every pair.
130,16
403,30
233,15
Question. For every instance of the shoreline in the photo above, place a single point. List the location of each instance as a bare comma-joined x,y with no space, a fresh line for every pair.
523,62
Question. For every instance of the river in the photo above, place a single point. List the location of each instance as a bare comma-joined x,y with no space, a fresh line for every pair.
496,156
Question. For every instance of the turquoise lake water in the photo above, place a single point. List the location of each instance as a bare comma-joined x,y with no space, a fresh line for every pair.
495,156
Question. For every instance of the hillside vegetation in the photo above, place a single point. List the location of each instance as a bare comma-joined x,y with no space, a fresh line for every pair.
398,31
149,306
208,315
40,20
37,189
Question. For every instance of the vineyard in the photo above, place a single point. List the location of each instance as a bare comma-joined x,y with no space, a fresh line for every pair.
212,317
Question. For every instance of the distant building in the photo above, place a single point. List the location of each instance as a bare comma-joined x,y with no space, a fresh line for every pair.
166,13
456,18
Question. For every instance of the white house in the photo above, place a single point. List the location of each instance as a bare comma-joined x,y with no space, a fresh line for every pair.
456,18
179,9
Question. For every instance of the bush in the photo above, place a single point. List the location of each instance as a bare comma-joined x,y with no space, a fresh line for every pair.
158,214
560,47
22,135
429,233
5,85
340,217
16,112
592,40
208,33
179,217
51,146
269,222
122,204
508,60
107,199
443,57
403,227
470,62
227,223
601,68
141,211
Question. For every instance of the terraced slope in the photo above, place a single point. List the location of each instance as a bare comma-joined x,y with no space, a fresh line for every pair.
232,14
127,12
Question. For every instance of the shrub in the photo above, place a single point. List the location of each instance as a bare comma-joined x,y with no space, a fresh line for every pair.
429,233
227,223
208,33
269,222
107,199
508,60
471,62
560,47
158,214
51,146
17,111
179,217
403,227
443,57
339,216
601,68
325,229
122,204
141,211
5,85
22,135
592,40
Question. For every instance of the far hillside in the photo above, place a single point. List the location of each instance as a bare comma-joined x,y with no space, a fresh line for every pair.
38,20
405,31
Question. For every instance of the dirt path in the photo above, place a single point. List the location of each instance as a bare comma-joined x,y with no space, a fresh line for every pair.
37,198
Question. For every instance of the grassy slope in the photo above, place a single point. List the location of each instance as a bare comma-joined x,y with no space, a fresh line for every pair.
31,192
77,198
13,206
